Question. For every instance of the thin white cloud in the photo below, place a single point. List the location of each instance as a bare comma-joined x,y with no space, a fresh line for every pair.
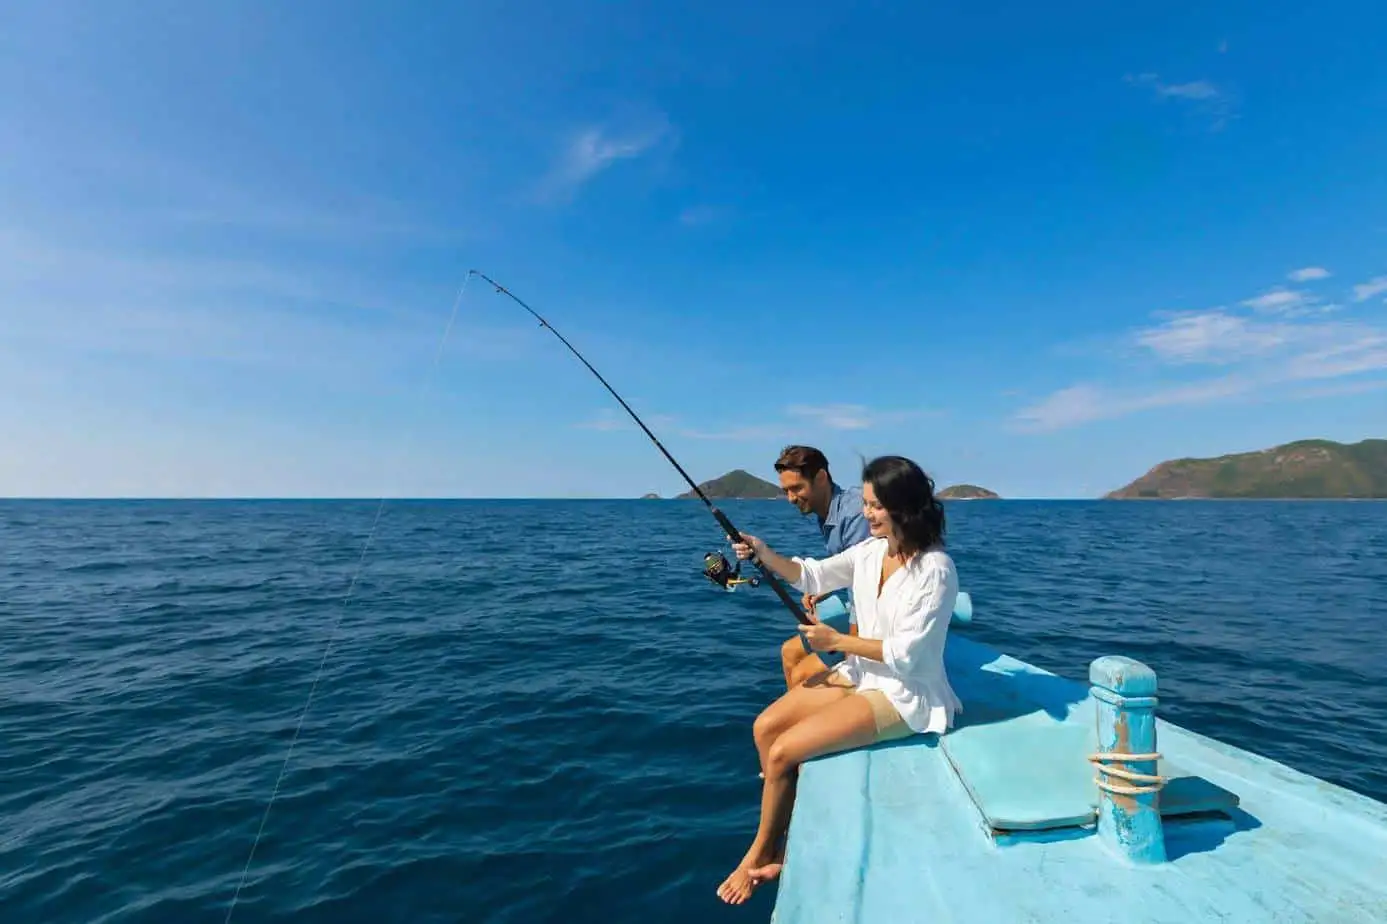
747,433
594,149
1210,337
365,222
835,416
1335,391
70,304
1081,404
1366,290
608,421
1194,89
135,187
1279,300
824,417
1308,274
1259,355
851,416
1208,98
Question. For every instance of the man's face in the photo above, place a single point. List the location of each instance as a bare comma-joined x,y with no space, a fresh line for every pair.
800,491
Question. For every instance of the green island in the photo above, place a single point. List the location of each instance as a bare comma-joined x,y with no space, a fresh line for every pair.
739,484
1305,469
968,492
1301,470
743,485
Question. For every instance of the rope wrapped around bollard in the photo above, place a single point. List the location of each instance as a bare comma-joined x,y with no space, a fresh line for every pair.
1154,782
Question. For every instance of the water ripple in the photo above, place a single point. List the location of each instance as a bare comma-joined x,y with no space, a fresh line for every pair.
559,728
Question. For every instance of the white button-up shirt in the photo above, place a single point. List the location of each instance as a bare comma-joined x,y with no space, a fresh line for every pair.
910,617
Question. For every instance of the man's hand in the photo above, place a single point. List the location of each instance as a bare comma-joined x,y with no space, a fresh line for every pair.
810,602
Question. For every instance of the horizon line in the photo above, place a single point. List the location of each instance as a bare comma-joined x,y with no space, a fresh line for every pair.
429,497
237,498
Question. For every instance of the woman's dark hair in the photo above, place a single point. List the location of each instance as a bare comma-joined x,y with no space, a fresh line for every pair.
907,493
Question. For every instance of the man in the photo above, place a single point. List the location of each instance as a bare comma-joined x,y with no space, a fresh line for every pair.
805,478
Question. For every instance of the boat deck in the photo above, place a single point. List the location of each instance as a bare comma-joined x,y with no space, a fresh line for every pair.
994,823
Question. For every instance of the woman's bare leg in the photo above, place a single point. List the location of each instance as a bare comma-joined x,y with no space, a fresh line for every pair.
816,692
838,725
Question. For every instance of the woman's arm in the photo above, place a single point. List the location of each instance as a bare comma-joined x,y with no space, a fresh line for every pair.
787,568
810,575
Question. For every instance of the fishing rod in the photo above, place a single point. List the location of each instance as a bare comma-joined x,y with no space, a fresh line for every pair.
790,603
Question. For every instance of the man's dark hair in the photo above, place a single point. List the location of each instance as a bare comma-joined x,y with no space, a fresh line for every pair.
803,460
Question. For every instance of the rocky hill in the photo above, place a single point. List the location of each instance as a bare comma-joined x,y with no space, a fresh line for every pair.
737,484
1303,469
967,492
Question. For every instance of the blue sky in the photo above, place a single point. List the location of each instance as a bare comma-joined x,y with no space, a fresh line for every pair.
1039,248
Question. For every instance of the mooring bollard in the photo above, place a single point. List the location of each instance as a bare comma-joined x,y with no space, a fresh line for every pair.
1129,791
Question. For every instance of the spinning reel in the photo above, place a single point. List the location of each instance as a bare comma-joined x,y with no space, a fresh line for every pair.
720,571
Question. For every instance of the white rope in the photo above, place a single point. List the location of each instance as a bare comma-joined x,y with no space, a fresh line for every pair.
1153,783
332,635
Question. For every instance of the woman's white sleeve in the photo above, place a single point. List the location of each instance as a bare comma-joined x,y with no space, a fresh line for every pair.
825,575
929,603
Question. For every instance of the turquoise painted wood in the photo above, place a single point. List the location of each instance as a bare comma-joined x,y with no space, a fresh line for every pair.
963,610
895,833
1030,771
1129,818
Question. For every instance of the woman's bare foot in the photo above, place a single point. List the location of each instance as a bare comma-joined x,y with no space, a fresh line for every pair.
737,888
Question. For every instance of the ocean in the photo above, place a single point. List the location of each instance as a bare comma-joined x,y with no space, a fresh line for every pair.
540,711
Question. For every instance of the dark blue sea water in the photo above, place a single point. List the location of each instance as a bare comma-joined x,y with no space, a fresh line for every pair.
540,711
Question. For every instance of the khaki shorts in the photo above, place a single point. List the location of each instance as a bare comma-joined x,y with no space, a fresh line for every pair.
889,723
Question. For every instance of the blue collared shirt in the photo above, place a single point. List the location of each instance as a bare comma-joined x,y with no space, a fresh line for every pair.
844,526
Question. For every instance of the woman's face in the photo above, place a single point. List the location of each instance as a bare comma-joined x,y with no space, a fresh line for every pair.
878,520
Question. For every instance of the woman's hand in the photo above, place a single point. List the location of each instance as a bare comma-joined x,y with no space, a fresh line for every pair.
822,636
750,546
766,557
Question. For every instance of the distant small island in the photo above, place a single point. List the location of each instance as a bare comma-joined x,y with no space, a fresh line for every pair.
650,496
1305,469
967,492
737,484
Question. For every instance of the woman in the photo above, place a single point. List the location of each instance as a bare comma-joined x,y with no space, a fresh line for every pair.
891,683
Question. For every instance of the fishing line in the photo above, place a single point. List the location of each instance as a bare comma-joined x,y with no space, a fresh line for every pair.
332,635
718,515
